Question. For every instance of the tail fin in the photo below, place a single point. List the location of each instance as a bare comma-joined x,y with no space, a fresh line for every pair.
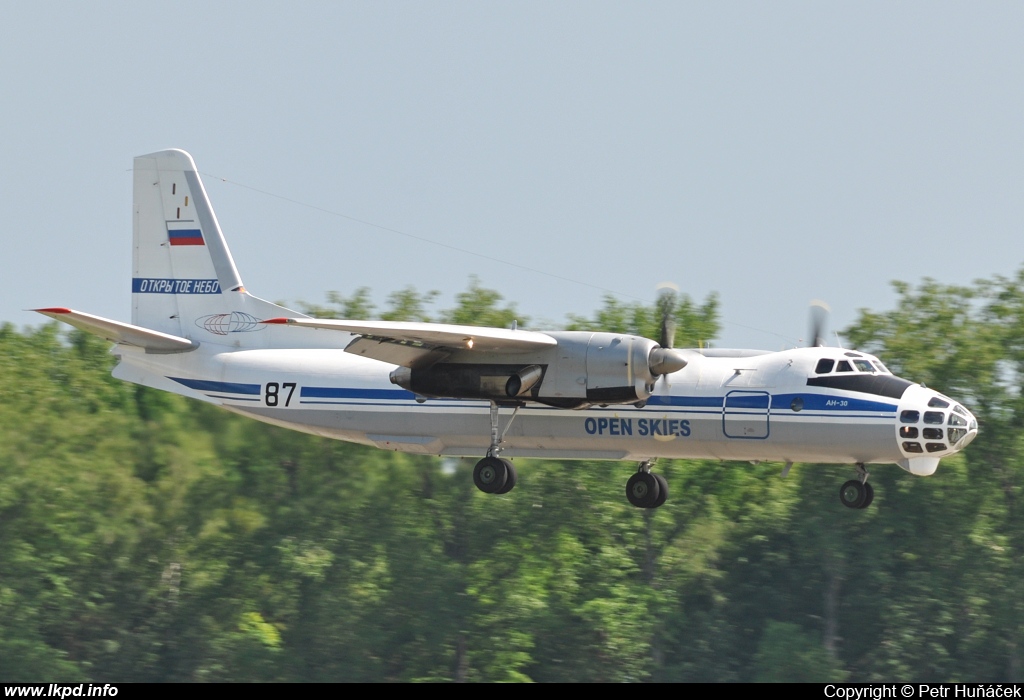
184,280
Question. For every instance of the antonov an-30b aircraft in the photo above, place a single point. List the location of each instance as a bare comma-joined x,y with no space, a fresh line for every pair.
443,389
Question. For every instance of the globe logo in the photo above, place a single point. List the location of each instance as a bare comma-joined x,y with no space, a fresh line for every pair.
234,322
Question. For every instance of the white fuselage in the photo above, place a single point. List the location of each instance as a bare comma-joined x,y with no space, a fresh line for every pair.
757,407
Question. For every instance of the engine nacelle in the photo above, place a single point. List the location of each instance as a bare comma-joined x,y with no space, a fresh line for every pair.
618,368
471,380
583,368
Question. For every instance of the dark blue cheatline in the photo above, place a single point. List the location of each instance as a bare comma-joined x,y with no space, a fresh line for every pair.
205,385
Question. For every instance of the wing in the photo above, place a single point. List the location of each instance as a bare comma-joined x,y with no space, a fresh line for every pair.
419,344
118,332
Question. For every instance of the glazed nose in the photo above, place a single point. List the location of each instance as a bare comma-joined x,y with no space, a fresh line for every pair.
972,430
962,428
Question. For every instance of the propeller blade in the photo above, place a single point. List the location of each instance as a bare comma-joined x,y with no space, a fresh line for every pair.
666,305
819,318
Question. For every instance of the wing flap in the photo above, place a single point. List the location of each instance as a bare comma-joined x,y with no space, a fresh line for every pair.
396,353
123,333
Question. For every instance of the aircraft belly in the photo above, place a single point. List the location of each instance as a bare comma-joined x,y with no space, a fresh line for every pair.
597,434
828,439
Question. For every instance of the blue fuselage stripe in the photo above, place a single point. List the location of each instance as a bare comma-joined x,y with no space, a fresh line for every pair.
325,392
811,402
222,387
781,404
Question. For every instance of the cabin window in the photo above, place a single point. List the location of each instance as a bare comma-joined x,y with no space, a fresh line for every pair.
843,366
907,431
825,366
934,417
912,447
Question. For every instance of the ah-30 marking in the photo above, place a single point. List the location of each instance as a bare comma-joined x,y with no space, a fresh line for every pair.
460,390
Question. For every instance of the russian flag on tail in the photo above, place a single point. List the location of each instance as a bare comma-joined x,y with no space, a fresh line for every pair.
188,236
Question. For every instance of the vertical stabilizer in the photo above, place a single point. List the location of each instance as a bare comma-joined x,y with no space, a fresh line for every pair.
184,281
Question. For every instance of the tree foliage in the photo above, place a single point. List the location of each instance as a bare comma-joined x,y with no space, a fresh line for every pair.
146,537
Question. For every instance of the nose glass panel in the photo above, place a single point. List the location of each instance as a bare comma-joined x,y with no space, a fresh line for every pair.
963,427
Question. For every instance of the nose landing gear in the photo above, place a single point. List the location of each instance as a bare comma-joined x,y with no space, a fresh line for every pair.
857,493
646,489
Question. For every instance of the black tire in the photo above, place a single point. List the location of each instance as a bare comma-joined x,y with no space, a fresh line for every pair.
490,475
869,495
510,477
662,491
642,490
852,494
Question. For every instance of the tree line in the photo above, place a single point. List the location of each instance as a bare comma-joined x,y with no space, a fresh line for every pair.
146,537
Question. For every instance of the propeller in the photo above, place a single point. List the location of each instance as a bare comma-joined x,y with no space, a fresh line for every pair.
666,305
819,317
664,360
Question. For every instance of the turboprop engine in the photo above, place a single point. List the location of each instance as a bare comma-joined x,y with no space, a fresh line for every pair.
583,368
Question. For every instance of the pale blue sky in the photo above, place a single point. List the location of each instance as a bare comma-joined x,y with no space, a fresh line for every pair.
772,152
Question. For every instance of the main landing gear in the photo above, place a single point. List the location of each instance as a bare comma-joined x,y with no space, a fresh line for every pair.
857,493
645,489
492,474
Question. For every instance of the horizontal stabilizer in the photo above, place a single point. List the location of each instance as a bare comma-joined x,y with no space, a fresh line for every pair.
124,333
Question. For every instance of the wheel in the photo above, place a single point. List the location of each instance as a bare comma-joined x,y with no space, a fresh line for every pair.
662,491
642,490
852,494
510,479
869,495
490,475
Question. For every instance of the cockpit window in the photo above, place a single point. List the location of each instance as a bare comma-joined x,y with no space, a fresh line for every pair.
934,417
864,365
881,368
936,402
824,366
843,366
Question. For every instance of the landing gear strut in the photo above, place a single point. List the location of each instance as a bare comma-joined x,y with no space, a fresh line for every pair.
857,493
646,489
492,474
